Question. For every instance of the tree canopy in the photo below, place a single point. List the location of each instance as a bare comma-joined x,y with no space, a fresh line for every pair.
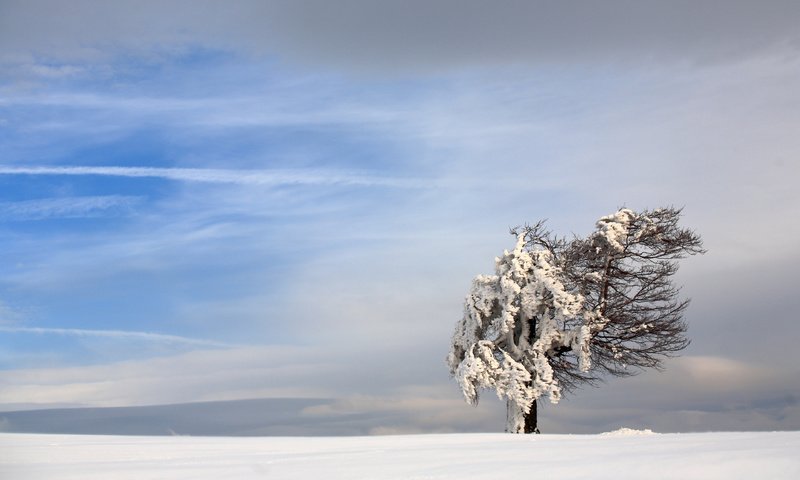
559,313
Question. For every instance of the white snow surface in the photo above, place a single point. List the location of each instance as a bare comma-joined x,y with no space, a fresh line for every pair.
629,431
751,455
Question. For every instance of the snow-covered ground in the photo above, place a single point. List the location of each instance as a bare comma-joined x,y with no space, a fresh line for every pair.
622,454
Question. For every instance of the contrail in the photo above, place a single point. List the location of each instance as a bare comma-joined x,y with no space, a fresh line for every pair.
119,334
214,175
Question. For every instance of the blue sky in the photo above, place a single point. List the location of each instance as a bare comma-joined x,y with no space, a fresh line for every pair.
201,202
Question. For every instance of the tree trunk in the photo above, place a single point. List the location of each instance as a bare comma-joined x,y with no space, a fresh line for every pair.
530,420
517,421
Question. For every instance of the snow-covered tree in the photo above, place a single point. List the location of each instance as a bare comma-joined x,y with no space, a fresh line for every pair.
558,313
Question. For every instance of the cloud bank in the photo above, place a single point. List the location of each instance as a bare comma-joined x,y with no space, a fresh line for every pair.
409,36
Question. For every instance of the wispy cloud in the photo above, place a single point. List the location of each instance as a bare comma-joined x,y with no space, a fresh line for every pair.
67,207
8,315
278,108
116,334
242,177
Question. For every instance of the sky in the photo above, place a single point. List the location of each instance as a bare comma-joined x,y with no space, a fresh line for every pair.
205,201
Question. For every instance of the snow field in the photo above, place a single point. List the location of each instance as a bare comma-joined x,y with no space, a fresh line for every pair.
754,455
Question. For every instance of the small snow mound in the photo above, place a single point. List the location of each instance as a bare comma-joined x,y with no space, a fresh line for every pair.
620,432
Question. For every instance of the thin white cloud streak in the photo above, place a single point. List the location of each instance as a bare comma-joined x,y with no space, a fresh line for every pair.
240,177
210,112
116,334
67,207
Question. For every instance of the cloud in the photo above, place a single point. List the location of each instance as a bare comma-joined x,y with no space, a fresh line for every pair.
9,315
242,177
68,207
694,393
282,107
194,376
360,397
424,410
116,334
409,36
271,371
437,35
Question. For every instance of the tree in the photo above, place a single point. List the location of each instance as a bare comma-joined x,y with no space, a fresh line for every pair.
558,314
